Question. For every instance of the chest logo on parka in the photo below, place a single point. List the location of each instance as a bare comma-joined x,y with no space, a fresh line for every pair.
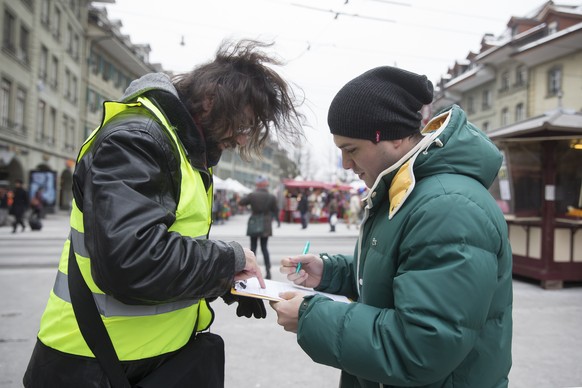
374,242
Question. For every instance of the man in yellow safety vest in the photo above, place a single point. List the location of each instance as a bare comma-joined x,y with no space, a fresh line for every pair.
141,214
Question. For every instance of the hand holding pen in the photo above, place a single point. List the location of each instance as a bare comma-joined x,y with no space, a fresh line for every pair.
305,250
304,270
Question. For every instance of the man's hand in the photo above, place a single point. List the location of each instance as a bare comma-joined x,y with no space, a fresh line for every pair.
288,310
310,273
247,307
251,269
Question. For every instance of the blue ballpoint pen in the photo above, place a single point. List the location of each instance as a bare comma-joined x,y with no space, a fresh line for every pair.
305,250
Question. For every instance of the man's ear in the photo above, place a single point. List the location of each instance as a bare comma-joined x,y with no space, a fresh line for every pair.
397,143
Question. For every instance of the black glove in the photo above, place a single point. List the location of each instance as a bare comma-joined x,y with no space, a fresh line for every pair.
247,307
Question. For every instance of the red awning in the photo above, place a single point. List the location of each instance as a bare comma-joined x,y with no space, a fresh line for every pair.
290,183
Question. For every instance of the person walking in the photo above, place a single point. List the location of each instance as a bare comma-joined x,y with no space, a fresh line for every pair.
332,209
140,223
430,277
303,207
264,210
355,207
20,204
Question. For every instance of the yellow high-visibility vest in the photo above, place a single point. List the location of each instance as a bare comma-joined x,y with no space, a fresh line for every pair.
137,331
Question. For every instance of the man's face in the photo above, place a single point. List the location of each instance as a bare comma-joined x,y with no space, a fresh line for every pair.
215,147
230,139
368,159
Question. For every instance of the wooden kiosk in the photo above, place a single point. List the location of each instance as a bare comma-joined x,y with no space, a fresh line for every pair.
539,189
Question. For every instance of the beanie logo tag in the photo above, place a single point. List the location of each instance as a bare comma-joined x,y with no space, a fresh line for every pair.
377,136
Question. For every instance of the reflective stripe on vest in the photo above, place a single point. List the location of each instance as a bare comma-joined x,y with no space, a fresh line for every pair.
107,305
137,331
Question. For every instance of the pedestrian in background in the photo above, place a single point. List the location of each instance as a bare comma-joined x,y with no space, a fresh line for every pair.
431,275
140,223
332,209
264,210
20,204
4,207
303,207
355,207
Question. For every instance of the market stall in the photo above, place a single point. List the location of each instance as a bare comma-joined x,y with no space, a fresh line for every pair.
539,189
318,193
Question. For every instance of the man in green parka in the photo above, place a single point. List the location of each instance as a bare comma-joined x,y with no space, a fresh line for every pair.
430,276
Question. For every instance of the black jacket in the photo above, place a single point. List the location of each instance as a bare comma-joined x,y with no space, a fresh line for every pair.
128,187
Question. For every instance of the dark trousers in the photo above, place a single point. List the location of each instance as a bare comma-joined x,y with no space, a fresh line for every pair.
18,220
304,220
266,258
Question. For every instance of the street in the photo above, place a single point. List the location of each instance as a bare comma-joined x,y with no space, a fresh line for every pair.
547,342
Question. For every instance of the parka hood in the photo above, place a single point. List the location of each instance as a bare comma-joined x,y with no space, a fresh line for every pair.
465,150
152,81
159,88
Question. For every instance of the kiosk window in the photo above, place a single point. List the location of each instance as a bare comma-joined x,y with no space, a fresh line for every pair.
525,169
569,177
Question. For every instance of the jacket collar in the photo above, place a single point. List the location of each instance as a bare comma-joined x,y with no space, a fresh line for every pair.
400,176
159,89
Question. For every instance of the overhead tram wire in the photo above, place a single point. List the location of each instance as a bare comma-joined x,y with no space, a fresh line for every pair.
422,26
338,13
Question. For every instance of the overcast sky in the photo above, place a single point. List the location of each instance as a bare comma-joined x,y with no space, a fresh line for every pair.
322,51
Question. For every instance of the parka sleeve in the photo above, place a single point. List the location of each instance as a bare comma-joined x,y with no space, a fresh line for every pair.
338,276
130,194
444,286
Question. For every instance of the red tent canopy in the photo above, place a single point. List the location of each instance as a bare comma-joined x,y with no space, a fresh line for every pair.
291,183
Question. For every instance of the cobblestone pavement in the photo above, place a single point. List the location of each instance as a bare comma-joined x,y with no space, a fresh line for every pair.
547,342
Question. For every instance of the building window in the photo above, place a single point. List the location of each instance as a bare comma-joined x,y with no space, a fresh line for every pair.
520,76
66,145
91,101
20,110
44,12
69,39
40,124
74,88
504,81
67,86
54,77
57,25
5,103
554,81
51,127
75,47
70,133
106,70
519,112
24,45
504,117
9,33
486,99
42,67
470,105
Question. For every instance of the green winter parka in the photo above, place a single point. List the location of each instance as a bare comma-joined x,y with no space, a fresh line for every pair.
431,273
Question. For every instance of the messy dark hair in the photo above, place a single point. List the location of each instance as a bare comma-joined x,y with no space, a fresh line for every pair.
238,78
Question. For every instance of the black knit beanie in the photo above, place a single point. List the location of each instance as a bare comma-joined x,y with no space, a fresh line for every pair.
381,104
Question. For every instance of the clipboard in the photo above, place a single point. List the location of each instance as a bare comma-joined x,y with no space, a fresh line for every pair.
252,289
